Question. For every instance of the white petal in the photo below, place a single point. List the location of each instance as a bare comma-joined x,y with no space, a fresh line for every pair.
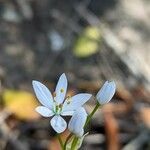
79,133
76,102
106,93
44,111
77,122
67,113
43,94
61,89
58,124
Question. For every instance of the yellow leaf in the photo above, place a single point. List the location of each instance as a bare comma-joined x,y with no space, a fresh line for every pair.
21,103
87,43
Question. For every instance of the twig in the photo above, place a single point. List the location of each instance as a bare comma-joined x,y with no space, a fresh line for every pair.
25,9
138,142
9,136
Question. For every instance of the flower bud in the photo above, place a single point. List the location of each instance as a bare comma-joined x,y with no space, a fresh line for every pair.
106,93
77,122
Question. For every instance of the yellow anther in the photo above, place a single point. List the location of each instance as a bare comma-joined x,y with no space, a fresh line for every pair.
57,108
68,99
60,105
62,90
54,94
68,102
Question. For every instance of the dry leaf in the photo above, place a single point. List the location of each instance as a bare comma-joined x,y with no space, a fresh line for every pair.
145,116
21,103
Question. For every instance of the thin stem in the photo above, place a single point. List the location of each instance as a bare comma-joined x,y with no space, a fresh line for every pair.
60,141
91,114
68,138
74,143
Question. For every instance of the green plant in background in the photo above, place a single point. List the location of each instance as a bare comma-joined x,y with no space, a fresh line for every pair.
57,106
88,42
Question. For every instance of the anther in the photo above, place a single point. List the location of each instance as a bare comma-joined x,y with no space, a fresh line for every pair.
68,102
57,108
62,90
60,105
68,99
54,94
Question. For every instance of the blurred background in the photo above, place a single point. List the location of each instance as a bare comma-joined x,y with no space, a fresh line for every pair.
91,41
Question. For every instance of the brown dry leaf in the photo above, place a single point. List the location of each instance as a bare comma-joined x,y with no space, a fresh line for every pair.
89,85
141,92
117,109
126,96
21,103
112,130
145,116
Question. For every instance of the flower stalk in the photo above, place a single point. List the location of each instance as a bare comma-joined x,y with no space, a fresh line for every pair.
60,141
74,143
91,114
67,140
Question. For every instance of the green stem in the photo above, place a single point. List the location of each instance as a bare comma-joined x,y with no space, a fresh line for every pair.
60,141
74,143
91,114
68,138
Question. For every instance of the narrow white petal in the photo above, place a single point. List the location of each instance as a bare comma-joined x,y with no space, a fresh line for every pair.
103,88
77,122
44,111
106,93
58,124
43,94
76,102
67,113
79,133
61,89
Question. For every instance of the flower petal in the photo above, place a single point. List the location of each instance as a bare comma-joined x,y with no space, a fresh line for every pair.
43,94
75,102
77,122
67,113
44,111
106,93
61,89
58,124
80,132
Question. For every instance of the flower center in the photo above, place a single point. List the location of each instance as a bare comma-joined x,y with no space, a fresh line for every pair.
58,109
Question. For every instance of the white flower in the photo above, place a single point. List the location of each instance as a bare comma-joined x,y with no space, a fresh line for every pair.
58,106
77,122
106,93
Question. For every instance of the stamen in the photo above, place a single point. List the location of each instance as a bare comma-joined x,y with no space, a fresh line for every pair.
68,99
60,105
61,90
68,102
57,108
54,94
